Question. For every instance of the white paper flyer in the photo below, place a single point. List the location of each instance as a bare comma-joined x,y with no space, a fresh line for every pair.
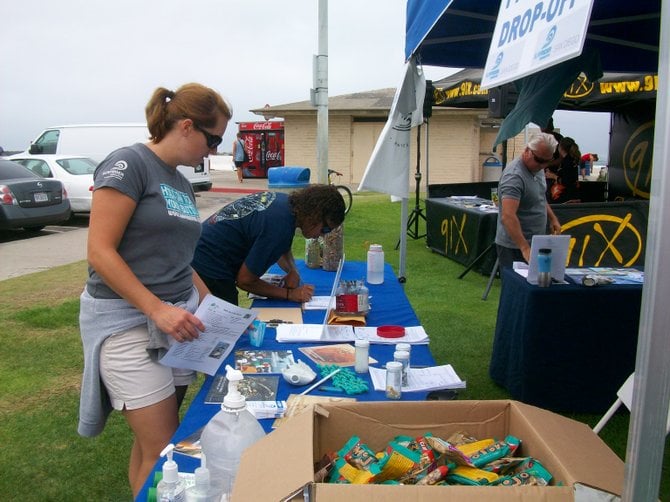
224,324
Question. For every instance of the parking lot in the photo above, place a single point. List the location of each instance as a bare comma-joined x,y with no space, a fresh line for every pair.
24,253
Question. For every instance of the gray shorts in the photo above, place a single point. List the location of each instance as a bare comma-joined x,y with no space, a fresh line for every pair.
131,378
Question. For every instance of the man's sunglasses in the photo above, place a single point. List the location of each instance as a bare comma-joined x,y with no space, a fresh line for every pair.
540,160
212,139
325,229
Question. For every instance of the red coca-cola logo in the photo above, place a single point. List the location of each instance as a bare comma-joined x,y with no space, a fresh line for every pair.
272,156
261,126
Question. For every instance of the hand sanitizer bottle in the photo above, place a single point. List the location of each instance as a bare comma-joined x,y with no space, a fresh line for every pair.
202,490
227,435
170,488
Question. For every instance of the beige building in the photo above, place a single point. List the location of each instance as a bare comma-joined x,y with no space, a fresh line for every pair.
454,144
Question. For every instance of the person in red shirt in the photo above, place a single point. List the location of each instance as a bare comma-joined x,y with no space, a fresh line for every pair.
586,164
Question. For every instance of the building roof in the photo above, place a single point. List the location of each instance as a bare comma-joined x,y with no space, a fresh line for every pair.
371,102
375,103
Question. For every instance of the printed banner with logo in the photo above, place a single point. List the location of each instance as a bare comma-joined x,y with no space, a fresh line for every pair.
610,93
631,152
530,37
612,234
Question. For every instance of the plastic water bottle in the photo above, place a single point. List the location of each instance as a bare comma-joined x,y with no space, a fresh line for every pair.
375,264
544,268
227,435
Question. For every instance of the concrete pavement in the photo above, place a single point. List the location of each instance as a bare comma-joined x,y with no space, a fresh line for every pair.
67,243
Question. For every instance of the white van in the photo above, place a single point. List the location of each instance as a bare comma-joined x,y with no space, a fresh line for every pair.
96,141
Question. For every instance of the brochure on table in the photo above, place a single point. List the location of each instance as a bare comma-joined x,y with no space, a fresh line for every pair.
224,324
615,275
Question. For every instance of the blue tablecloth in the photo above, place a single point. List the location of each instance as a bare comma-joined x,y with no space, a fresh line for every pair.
389,305
566,348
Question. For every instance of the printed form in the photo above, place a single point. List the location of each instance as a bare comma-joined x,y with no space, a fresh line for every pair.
224,324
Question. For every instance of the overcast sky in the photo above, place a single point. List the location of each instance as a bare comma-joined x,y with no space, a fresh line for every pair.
91,61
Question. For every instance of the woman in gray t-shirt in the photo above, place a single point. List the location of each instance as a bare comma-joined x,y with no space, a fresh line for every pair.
141,292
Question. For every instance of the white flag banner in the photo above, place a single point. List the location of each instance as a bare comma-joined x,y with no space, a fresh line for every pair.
388,168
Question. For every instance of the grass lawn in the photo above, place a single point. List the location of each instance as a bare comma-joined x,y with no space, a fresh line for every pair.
45,459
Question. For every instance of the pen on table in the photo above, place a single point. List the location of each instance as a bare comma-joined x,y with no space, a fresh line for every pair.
314,386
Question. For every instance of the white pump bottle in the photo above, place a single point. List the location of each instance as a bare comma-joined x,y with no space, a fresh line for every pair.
202,491
228,434
170,488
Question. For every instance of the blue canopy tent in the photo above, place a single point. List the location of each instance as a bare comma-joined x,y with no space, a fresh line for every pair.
457,33
622,36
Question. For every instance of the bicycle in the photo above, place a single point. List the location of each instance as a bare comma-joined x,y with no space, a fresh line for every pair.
344,190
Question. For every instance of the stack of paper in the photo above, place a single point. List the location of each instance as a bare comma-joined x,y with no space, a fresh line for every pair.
298,333
414,335
421,379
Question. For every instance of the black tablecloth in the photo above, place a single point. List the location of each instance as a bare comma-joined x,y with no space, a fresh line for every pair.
460,231
566,348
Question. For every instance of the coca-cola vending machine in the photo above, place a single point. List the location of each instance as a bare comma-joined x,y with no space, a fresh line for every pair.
264,144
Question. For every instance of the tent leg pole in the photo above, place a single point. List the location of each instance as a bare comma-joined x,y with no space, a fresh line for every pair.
402,243
417,212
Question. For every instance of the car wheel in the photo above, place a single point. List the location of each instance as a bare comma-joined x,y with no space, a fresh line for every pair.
34,229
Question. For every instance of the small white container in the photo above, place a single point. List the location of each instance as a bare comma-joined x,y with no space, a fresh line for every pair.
393,380
362,354
407,348
402,357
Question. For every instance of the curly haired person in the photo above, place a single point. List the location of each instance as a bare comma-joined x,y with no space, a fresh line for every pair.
244,238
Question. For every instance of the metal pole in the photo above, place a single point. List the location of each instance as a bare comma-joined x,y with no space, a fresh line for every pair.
321,96
427,156
651,390
403,240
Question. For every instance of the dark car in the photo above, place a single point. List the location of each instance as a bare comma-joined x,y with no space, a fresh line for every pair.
29,201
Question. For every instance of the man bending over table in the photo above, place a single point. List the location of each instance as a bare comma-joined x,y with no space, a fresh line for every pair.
524,210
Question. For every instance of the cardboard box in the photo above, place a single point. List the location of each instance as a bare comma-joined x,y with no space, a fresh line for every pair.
282,463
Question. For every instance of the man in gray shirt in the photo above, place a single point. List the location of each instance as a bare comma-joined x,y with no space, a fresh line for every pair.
524,211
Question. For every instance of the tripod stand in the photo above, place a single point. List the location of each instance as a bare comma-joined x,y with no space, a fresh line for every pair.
417,212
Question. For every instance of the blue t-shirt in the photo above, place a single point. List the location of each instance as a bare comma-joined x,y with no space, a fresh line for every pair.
255,230
239,151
